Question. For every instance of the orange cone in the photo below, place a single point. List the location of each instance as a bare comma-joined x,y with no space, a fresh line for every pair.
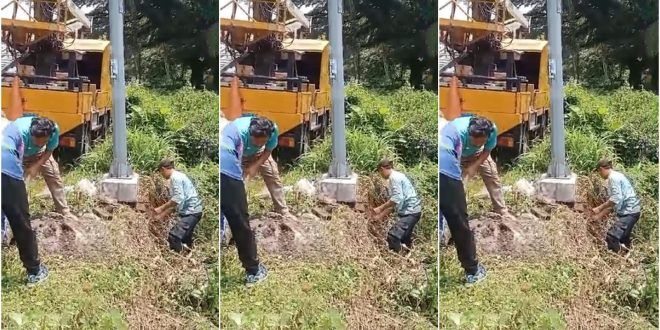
235,105
454,109
15,110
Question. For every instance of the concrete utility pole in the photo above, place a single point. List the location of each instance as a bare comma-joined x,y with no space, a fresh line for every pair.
558,167
339,167
340,183
559,183
121,183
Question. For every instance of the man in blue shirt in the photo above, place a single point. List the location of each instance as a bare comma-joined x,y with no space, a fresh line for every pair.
404,201
187,203
453,205
15,202
623,202
41,136
259,136
233,202
479,137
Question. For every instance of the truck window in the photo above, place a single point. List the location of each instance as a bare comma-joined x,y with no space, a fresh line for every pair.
310,67
528,66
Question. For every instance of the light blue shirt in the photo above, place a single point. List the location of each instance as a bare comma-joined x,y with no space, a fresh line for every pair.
249,149
32,149
184,194
622,194
231,150
12,150
469,149
403,194
449,151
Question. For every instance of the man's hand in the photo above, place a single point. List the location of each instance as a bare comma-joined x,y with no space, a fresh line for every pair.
595,210
376,210
30,173
158,210
250,172
470,171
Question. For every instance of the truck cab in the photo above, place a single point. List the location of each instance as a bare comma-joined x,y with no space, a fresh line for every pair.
290,86
510,88
71,86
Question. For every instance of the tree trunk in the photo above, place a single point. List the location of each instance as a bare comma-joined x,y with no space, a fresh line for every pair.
635,73
197,74
416,74
654,74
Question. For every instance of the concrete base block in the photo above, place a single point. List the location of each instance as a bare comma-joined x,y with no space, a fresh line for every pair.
560,190
342,190
121,190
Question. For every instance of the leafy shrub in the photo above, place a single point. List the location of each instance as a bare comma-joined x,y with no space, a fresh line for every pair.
634,124
145,150
414,121
188,118
194,124
364,151
365,110
147,110
583,151
408,118
628,119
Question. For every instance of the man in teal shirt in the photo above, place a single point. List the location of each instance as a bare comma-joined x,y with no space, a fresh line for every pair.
623,202
479,137
404,201
185,200
260,137
41,136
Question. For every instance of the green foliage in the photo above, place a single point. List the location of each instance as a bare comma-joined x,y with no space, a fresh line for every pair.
188,118
627,119
634,114
406,118
364,151
145,150
583,151
414,123
195,124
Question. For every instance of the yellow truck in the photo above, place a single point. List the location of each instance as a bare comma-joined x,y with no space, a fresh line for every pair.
296,97
76,94
515,97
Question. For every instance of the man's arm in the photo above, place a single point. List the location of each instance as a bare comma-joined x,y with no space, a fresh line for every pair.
389,205
34,169
252,170
471,170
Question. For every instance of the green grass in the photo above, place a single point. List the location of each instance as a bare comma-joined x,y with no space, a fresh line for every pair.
297,294
78,294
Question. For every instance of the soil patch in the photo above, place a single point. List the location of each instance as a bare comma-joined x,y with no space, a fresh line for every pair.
85,235
520,236
289,235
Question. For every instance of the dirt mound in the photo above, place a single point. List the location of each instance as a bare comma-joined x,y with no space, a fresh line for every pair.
524,235
289,235
85,235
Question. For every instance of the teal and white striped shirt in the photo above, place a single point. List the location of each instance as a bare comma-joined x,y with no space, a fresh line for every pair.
622,194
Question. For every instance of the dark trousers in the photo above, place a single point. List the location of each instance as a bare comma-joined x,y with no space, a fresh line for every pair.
402,230
16,209
453,207
233,204
620,231
183,231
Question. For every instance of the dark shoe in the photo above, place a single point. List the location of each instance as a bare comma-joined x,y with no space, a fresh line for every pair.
40,276
480,275
260,276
